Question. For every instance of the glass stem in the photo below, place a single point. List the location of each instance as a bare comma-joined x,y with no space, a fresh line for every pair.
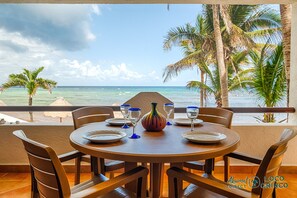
192,124
133,129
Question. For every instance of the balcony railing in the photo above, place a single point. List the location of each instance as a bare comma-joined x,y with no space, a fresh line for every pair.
176,110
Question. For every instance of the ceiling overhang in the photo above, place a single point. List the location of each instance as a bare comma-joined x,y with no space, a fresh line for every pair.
248,2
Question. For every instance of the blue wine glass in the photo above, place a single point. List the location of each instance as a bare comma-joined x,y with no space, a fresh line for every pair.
192,113
168,108
125,112
134,116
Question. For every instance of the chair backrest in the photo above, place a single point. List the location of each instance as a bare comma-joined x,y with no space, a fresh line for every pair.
268,170
87,115
47,169
216,115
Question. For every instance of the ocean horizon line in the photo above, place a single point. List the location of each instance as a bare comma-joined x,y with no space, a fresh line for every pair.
112,86
119,86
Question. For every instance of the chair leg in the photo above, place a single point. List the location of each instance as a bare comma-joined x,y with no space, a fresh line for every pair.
141,187
162,178
101,166
226,168
274,193
77,170
111,174
173,188
94,166
34,189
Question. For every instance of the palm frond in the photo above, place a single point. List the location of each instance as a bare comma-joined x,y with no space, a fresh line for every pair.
186,63
46,84
177,35
199,85
35,72
269,76
261,18
15,80
262,35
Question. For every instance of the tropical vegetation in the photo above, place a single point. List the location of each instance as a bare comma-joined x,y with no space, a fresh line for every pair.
31,82
269,77
220,46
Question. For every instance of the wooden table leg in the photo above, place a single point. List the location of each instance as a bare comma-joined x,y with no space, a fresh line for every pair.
155,179
209,164
178,182
132,186
94,166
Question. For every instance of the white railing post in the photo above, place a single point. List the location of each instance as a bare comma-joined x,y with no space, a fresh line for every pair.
293,69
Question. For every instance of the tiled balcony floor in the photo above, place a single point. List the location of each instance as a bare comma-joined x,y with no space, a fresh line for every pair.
18,184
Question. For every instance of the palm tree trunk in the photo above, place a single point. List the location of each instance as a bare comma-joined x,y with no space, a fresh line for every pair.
204,94
286,16
30,104
202,90
220,56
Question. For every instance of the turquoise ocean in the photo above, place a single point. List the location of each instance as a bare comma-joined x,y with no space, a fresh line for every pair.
116,95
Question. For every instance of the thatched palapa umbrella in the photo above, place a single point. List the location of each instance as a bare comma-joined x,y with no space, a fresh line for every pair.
59,102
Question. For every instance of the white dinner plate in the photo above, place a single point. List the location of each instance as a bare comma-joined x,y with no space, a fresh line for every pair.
117,121
104,136
204,137
186,121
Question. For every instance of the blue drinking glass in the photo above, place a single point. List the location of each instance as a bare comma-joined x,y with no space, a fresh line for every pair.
134,116
168,108
192,113
125,112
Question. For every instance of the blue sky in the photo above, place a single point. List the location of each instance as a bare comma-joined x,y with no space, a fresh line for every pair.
92,44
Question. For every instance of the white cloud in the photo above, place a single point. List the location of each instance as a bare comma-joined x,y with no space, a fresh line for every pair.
153,75
64,27
96,9
87,69
18,52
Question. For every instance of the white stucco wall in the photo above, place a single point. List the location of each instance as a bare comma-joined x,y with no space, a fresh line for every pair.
255,140
293,69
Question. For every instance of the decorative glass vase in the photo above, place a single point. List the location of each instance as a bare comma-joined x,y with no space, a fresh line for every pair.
154,121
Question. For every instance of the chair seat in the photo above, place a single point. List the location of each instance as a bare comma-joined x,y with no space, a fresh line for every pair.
193,191
117,193
110,165
199,165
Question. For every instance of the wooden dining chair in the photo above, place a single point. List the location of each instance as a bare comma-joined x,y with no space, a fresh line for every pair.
51,179
204,187
87,115
218,116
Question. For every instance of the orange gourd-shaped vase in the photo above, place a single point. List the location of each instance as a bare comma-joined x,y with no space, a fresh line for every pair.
153,121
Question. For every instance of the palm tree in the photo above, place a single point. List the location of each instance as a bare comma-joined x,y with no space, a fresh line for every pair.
220,56
269,77
242,79
196,42
29,80
252,24
238,35
286,16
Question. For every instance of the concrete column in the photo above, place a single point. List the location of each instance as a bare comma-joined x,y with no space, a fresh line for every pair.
293,69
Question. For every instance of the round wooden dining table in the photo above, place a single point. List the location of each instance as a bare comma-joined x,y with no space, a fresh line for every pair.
156,148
